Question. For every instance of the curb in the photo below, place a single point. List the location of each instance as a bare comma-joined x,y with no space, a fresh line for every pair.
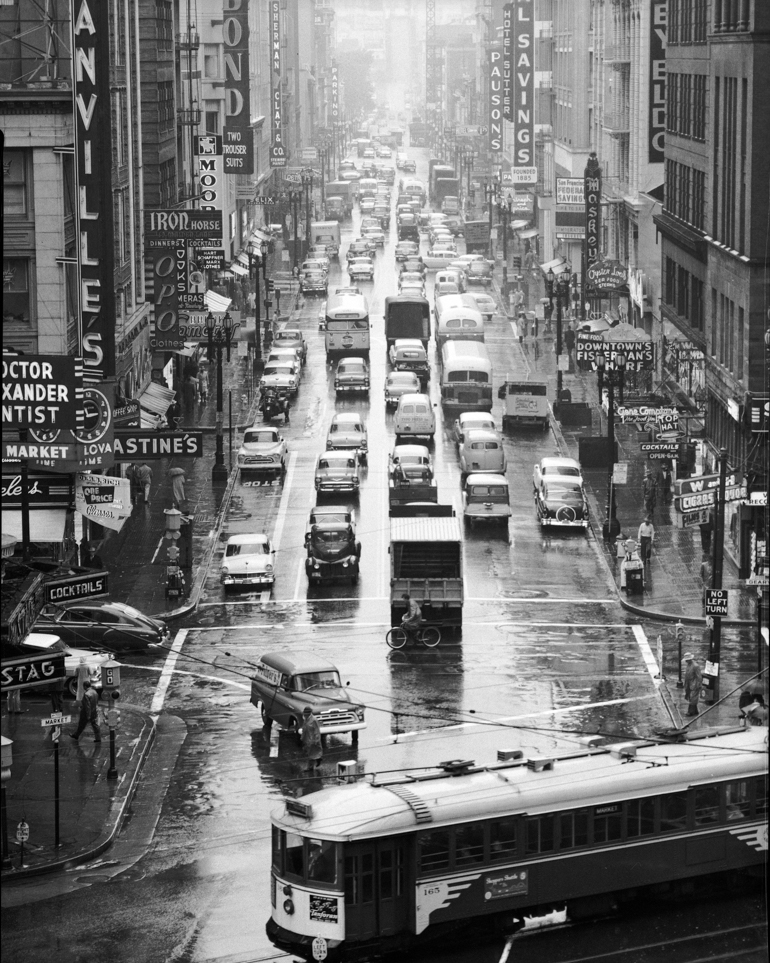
114,820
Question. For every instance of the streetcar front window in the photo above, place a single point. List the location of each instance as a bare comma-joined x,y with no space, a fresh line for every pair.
321,861
294,855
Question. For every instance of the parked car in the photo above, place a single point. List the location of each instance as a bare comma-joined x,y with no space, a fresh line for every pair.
313,282
352,374
415,458
288,336
556,467
263,449
479,272
286,353
348,432
94,624
562,502
471,419
283,684
249,560
361,269
338,471
399,383
486,304
37,643
481,450
405,248
281,375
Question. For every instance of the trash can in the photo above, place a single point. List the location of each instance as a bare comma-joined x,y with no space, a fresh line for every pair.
634,581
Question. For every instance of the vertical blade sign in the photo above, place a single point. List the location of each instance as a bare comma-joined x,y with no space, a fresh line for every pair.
507,34
495,99
238,146
523,84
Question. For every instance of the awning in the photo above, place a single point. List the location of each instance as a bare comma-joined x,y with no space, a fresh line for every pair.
237,269
216,302
225,274
156,399
518,225
259,236
531,232
554,265
45,524
241,258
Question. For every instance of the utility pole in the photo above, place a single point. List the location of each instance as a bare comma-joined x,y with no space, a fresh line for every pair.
711,675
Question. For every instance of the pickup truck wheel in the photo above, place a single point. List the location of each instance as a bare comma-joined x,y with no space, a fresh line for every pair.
354,734
72,687
266,720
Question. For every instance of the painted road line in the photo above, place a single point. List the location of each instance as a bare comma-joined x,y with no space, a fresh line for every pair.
342,623
520,600
168,670
649,659
157,550
283,507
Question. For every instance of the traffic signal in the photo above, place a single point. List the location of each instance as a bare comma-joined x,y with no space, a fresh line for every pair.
680,634
114,694
517,262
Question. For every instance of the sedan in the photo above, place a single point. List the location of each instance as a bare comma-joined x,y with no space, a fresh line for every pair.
410,456
434,260
406,248
487,304
104,625
384,152
412,289
263,449
348,431
479,272
371,244
471,419
413,265
316,264
463,260
249,560
409,166
279,375
555,467
367,204
375,234
313,282
400,383
361,269
562,503
358,249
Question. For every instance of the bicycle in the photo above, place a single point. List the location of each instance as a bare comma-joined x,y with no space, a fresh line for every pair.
429,635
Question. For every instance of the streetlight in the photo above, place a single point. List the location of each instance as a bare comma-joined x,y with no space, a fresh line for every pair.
307,185
219,335
559,286
254,251
609,378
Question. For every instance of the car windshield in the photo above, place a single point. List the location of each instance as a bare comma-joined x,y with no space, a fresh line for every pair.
324,678
488,491
351,369
337,463
279,369
401,379
565,470
260,437
247,548
345,426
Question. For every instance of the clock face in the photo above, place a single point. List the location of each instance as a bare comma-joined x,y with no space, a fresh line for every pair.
97,418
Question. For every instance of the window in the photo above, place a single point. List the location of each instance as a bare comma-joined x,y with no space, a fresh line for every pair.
117,226
359,878
469,844
640,817
294,855
699,107
15,193
683,292
737,800
321,861
15,289
700,21
673,812
608,823
697,316
669,291
760,803
706,805
573,829
540,834
165,24
739,347
391,873
502,839
165,106
211,69
167,186
211,119
434,851
699,199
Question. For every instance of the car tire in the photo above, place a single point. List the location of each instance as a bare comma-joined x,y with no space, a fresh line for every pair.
72,687
266,720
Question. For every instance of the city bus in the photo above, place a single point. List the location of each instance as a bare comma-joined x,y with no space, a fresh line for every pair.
466,376
347,325
458,319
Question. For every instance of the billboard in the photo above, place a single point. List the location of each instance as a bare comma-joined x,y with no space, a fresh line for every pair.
238,136
523,84
44,392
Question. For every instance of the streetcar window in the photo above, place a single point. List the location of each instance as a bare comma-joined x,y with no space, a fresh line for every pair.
540,834
277,838
502,839
706,805
608,822
640,817
737,800
469,844
760,788
321,861
573,829
391,873
359,878
673,812
295,855
434,851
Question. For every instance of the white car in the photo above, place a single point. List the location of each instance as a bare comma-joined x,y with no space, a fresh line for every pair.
315,264
348,431
249,560
481,450
463,260
434,260
263,449
361,269
472,419
400,383
375,234
487,304
548,469
281,374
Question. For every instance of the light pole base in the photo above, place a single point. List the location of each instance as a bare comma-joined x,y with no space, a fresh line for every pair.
219,475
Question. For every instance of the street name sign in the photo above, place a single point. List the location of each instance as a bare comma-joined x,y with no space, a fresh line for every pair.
716,602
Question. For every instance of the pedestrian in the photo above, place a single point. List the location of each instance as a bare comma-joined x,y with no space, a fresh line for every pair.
189,396
177,488
89,713
13,701
83,676
646,536
521,322
705,533
533,319
693,680
56,690
203,385
650,492
311,739
756,712
144,477
133,482
666,480
569,343
515,329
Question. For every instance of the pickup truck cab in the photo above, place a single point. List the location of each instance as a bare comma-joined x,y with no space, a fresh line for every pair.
486,496
283,684
332,552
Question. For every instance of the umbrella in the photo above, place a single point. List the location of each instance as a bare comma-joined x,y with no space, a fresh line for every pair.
595,326
176,471
626,332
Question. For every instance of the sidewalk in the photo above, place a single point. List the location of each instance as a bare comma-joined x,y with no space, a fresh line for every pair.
673,590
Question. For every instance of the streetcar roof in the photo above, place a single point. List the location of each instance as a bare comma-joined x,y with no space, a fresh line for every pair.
430,799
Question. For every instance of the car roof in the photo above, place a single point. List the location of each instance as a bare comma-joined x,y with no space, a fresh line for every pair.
476,433
350,358
296,662
407,343
334,453
330,510
40,640
414,398
486,478
421,450
552,461
402,376
350,416
245,539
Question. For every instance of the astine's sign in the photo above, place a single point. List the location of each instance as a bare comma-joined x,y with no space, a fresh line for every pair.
93,173
42,392
146,445
238,137
523,84
277,146
495,99
657,96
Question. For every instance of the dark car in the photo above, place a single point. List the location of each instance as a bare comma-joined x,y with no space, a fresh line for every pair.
478,272
414,265
406,248
97,625
562,503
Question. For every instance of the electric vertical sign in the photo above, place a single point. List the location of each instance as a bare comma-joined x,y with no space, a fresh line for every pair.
523,84
335,92
657,98
93,166
495,99
238,138
277,146
507,35
593,196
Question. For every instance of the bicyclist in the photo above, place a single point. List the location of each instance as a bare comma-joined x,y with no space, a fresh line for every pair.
413,615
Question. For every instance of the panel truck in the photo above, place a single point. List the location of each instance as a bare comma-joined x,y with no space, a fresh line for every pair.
426,561
407,316
476,236
439,172
328,234
339,199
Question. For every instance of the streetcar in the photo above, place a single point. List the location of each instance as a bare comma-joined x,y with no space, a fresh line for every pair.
387,864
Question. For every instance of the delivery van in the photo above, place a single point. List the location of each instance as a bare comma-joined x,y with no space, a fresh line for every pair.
415,417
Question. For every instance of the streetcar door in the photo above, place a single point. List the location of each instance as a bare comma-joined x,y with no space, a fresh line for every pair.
375,889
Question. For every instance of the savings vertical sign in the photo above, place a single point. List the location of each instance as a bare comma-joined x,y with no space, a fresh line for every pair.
277,146
93,156
238,138
523,85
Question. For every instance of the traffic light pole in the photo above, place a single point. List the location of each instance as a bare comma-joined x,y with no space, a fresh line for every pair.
711,675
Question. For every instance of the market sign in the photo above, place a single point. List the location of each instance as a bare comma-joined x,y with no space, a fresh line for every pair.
32,671
607,275
75,587
44,392
154,445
